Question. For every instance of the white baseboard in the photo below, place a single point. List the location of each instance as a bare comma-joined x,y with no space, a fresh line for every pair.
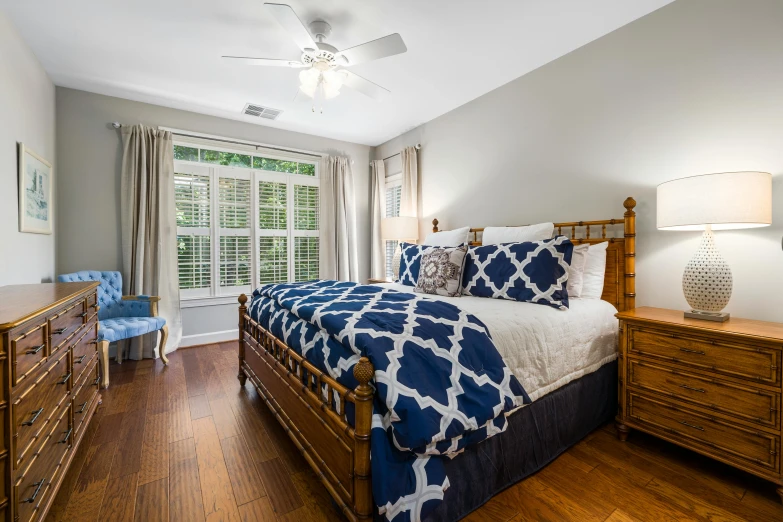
209,338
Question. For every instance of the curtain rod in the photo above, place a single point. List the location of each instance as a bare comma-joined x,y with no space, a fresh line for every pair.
187,134
418,147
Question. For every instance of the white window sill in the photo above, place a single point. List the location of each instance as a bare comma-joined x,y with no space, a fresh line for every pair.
195,302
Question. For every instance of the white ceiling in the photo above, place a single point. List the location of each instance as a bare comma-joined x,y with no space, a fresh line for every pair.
167,52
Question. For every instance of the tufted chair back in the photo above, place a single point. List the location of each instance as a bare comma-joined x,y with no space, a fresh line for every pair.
109,294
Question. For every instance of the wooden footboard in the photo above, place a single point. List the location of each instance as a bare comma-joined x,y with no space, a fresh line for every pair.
316,422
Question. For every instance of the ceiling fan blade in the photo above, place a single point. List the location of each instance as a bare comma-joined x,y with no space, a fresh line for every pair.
271,62
286,17
380,48
364,86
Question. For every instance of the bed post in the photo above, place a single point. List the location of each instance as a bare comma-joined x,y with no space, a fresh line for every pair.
363,506
242,311
630,253
434,225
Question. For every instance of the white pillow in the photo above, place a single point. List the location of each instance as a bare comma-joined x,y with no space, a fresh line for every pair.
449,238
595,269
576,270
500,235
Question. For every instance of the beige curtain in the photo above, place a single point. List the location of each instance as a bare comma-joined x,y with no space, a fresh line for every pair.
338,252
377,212
409,197
149,229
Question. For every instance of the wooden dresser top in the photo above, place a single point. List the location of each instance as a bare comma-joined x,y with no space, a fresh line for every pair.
736,326
18,303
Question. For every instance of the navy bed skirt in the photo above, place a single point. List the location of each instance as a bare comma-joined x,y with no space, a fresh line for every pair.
536,435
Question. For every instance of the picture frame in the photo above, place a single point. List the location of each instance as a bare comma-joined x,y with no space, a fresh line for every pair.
36,211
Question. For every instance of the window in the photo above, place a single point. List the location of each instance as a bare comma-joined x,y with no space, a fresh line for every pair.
393,195
243,220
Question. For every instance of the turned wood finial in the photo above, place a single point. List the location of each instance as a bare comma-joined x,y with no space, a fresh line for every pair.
434,225
242,299
363,371
629,205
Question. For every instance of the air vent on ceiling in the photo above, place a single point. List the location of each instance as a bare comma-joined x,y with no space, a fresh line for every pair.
251,109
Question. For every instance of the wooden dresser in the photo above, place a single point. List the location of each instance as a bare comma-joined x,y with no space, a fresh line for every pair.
49,357
711,387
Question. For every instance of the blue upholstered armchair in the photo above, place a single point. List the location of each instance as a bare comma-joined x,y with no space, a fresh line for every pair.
121,317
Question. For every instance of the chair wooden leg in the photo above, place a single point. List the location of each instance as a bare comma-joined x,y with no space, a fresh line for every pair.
103,351
164,335
120,345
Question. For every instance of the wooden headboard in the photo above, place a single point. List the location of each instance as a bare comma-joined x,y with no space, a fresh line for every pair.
620,280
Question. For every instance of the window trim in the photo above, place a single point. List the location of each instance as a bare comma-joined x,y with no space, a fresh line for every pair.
215,294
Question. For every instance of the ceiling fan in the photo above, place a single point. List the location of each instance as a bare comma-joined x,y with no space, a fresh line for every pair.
324,71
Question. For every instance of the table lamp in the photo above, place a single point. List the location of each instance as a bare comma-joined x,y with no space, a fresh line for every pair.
724,201
399,228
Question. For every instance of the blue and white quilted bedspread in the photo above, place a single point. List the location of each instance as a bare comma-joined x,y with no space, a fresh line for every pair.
441,383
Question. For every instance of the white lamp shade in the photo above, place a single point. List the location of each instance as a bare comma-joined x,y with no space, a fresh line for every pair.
400,228
728,200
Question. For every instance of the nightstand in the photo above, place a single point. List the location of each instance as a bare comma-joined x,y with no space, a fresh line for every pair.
372,281
714,388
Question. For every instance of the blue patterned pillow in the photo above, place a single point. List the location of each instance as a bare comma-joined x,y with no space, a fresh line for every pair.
410,261
534,272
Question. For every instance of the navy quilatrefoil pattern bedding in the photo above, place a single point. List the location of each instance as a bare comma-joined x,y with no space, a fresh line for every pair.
441,383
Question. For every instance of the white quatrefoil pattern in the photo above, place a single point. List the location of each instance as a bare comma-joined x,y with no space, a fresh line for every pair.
534,271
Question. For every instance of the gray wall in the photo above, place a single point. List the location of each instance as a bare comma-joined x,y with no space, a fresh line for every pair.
692,88
27,116
90,154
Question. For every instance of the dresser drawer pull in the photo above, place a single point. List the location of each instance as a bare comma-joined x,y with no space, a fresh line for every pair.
692,426
79,360
81,409
94,341
83,315
96,381
687,350
94,305
33,351
35,414
65,378
700,390
39,485
60,331
67,436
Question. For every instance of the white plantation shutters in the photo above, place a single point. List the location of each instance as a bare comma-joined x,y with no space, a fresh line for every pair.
234,211
393,198
192,190
244,220
273,229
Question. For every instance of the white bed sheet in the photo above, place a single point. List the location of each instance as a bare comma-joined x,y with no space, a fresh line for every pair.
544,348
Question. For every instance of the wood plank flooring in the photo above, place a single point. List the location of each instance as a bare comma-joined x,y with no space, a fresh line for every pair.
187,443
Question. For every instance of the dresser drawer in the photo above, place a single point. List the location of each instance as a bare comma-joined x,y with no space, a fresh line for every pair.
85,350
92,304
734,359
64,325
715,436
84,394
36,405
28,346
35,483
754,405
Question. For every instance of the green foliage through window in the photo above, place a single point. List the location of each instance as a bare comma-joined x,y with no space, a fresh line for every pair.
246,161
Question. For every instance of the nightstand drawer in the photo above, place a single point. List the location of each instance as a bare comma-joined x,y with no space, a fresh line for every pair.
754,405
757,364
717,437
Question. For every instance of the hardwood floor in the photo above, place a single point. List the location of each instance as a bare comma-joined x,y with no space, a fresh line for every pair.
187,443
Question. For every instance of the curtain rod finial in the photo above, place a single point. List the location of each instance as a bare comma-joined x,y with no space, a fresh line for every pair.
116,124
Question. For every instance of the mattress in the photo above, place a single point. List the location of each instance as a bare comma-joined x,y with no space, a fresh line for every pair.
544,348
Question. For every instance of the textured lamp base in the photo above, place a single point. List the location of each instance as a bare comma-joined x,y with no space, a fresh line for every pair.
707,281
718,317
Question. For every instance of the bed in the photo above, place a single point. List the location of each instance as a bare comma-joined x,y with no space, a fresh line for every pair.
569,375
